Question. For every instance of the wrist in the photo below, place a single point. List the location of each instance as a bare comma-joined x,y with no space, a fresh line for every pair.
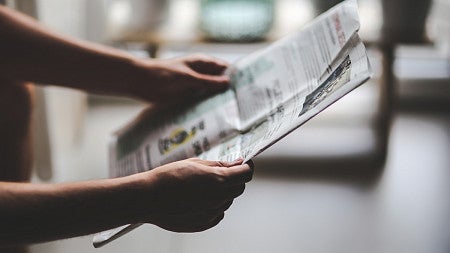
147,75
137,195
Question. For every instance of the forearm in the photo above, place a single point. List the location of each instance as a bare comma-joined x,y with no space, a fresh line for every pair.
30,52
41,212
185,196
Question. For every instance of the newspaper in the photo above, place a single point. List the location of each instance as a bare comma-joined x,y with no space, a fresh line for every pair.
273,92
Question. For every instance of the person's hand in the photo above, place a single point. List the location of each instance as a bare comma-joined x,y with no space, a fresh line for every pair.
180,79
191,195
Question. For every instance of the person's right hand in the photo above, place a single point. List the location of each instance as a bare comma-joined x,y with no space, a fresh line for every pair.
191,195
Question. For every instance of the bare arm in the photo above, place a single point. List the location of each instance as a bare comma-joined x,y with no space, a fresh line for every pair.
185,196
30,52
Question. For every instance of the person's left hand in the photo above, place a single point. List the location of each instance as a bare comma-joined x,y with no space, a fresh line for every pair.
180,79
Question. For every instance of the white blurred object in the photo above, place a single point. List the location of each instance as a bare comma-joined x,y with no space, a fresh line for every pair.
440,25
113,20
236,20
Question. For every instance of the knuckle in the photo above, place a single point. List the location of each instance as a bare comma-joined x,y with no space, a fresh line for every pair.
219,164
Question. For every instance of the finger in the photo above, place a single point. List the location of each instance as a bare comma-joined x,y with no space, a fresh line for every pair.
238,174
218,163
190,214
220,207
211,82
235,191
233,172
216,199
216,195
225,206
251,164
210,224
189,224
209,204
238,161
207,65
198,57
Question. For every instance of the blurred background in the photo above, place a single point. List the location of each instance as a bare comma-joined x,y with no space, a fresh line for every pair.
369,174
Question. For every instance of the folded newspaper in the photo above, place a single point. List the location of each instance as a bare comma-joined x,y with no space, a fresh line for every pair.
273,92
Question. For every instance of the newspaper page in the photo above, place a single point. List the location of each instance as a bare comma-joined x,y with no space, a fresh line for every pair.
273,92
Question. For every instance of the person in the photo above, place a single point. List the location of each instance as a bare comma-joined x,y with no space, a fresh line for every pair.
185,196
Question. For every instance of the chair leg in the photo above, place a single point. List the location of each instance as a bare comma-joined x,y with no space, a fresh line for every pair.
386,103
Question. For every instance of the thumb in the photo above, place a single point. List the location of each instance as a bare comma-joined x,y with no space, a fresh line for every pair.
238,173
